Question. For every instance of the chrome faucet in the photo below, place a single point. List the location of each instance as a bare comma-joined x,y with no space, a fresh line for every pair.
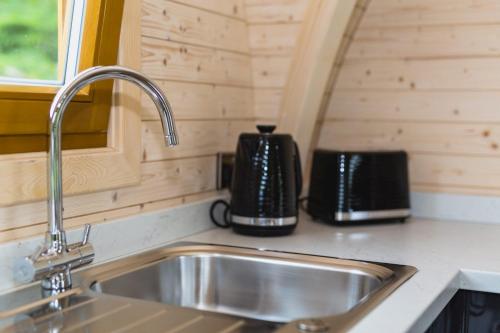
53,262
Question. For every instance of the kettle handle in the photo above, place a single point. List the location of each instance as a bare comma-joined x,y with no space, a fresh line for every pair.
298,171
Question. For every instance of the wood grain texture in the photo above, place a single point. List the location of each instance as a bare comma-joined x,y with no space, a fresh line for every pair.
23,176
165,60
159,180
320,41
458,171
199,138
107,215
275,11
429,12
419,76
202,101
273,39
267,102
273,30
427,42
155,184
434,74
270,71
423,137
176,22
234,8
345,43
443,106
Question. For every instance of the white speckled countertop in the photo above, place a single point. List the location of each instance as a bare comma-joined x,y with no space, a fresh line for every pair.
448,256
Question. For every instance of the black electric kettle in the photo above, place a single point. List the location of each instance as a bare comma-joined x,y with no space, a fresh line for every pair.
266,184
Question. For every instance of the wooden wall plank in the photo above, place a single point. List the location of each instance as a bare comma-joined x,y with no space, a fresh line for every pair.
450,106
382,13
273,39
202,101
173,61
419,76
275,11
426,42
104,216
459,171
270,71
434,74
160,180
180,23
273,31
423,137
320,48
199,138
267,102
234,8
198,51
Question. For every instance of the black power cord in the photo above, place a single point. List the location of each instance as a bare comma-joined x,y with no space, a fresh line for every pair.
226,223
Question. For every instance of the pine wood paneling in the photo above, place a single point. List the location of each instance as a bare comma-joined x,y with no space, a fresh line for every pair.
199,138
233,8
175,22
203,101
467,139
427,42
103,216
165,60
206,73
273,30
385,13
458,171
267,102
270,71
433,74
420,76
273,39
443,106
275,11
159,180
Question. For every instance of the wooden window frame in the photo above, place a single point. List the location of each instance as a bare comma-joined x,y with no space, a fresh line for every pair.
23,176
24,108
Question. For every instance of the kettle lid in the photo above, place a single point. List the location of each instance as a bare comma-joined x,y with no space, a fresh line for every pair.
266,129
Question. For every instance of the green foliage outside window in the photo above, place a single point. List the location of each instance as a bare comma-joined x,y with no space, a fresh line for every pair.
28,39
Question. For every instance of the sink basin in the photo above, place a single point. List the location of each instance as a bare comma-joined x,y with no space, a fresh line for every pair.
263,285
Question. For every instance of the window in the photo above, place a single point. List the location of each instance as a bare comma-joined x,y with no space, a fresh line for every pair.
43,44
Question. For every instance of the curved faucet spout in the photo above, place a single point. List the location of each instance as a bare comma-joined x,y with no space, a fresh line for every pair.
53,262
56,236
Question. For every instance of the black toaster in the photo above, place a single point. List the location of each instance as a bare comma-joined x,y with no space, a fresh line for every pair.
349,187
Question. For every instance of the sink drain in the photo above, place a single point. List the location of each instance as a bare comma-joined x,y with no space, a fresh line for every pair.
312,325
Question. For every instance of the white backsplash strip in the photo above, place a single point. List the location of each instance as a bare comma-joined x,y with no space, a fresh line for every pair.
457,207
118,238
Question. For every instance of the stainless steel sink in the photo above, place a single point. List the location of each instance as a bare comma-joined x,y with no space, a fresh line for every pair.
191,288
262,285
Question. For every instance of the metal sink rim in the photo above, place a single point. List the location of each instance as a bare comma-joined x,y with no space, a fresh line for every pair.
84,278
392,276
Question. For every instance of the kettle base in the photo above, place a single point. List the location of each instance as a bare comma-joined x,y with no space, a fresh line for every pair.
263,231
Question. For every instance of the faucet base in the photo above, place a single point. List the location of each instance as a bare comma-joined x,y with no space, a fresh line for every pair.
56,283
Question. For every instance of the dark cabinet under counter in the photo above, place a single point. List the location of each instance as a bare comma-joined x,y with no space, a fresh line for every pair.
469,312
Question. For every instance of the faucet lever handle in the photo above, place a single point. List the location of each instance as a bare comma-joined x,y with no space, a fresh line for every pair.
37,254
86,233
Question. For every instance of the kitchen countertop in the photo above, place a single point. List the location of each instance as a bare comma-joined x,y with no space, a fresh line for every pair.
449,255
